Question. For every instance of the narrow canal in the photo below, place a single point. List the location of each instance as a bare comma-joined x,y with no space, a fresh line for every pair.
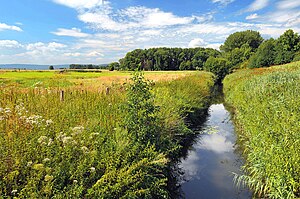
208,167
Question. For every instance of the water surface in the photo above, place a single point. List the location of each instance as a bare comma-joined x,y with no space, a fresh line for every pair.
208,167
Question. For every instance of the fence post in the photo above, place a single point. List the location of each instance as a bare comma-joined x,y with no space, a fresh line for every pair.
62,95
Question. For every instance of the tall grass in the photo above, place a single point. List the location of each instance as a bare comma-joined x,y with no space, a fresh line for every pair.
85,146
267,111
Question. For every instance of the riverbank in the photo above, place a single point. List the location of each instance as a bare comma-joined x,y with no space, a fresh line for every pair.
85,143
266,110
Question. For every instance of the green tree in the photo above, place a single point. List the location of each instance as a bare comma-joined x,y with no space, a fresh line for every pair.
290,41
51,67
113,66
217,65
238,39
264,56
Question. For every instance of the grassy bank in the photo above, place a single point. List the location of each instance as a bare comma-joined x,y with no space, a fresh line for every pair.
93,144
267,112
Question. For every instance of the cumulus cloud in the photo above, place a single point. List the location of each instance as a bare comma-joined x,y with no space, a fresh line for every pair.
252,16
10,44
74,32
257,5
80,4
4,26
198,42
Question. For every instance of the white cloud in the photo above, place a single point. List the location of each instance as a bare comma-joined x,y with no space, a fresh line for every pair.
257,5
80,4
72,54
74,32
288,4
95,54
10,44
198,42
223,2
4,26
252,16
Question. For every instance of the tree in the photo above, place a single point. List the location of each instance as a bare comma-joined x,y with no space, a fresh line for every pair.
217,65
51,68
113,66
290,41
264,56
238,39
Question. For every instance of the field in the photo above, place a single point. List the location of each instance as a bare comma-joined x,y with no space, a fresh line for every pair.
92,143
85,78
267,114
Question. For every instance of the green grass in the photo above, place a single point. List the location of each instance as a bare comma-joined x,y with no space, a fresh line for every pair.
267,113
81,147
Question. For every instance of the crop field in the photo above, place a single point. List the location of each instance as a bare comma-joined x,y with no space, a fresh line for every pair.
267,114
90,143
85,78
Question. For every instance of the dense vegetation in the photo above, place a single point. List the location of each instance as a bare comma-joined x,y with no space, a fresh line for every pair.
267,112
167,59
87,66
245,49
94,145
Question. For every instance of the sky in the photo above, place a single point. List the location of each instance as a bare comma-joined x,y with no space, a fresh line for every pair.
101,31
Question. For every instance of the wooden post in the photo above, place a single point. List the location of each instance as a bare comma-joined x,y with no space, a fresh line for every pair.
62,96
107,91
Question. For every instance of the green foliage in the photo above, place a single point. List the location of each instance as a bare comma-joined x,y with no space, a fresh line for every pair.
113,66
289,41
167,59
267,114
79,148
141,119
264,56
51,68
238,39
219,66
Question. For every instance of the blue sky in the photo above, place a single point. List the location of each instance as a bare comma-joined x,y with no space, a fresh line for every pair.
100,31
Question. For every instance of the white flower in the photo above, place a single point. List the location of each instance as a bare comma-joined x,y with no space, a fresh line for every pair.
1,109
29,163
77,130
66,140
75,181
84,149
92,169
50,141
46,160
43,139
7,110
14,191
48,122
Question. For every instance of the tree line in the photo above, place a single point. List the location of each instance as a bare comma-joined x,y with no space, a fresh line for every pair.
244,49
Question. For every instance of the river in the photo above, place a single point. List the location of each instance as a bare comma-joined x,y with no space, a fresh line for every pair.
208,167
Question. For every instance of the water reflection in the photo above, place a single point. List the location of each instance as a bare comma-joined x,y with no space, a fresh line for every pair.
209,164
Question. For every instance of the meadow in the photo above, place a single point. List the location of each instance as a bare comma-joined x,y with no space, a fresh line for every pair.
267,114
93,143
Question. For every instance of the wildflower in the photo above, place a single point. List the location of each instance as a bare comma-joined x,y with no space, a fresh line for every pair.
46,160
66,140
14,191
92,169
77,130
75,181
7,110
50,141
48,122
48,178
85,149
43,139
29,163
1,109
